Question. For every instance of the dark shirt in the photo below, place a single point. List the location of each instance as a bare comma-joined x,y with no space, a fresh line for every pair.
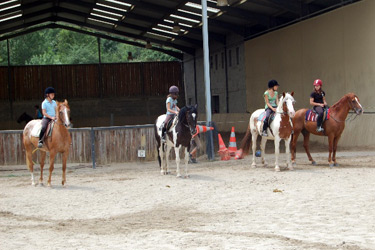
318,98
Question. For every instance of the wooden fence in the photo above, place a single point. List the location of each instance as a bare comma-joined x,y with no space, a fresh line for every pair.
105,145
90,80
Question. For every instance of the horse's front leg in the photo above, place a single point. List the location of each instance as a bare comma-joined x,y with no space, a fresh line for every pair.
42,160
277,153
162,159
330,145
52,155
263,149
167,152
64,160
177,153
335,142
186,162
289,165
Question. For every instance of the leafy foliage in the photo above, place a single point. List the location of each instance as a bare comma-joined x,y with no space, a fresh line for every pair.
60,46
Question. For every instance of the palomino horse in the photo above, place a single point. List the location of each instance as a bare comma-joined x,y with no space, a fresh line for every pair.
179,135
58,142
280,128
333,127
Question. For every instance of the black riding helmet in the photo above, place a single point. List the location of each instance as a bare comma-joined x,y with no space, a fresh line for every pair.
49,90
272,83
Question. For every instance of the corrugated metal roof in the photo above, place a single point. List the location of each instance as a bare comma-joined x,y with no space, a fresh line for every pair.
138,21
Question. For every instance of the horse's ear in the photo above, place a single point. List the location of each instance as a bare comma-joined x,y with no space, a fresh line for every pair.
283,94
66,102
292,93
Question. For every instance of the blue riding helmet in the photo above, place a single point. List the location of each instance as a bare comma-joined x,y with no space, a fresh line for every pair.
273,83
49,90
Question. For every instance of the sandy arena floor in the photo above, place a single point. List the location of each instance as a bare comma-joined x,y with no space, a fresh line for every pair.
224,205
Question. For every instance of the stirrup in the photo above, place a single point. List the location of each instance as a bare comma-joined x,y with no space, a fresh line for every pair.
319,129
40,144
264,133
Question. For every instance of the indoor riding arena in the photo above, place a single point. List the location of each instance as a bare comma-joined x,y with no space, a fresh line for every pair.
116,196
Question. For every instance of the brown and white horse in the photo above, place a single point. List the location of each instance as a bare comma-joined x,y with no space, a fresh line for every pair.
58,142
178,136
280,128
333,127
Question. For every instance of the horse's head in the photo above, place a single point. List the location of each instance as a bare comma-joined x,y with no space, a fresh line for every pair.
354,103
64,112
287,101
188,116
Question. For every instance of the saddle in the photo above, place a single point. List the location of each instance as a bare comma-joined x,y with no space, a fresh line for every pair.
38,127
312,116
262,117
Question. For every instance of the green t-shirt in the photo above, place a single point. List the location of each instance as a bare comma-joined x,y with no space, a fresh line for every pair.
272,100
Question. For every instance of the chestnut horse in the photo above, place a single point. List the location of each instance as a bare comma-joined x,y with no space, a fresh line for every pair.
333,127
58,142
280,128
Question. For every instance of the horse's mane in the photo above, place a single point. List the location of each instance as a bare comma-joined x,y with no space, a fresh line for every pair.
182,113
340,102
281,100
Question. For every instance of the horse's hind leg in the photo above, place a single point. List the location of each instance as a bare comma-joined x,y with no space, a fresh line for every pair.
335,142
30,164
306,139
254,148
42,160
64,160
277,153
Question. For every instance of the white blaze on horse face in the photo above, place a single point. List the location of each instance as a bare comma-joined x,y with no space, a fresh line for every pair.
66,117
356,99
194,115
289,104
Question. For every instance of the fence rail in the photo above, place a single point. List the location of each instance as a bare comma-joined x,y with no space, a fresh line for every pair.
100,145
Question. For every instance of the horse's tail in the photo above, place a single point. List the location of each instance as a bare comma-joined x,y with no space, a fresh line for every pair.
246,141
158,142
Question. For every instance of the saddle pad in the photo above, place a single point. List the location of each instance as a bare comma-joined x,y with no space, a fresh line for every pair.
36,128
262,116
312,116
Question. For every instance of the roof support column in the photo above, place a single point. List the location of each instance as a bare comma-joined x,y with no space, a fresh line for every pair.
207,84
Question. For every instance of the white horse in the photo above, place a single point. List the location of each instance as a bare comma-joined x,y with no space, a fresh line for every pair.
178,135
280,128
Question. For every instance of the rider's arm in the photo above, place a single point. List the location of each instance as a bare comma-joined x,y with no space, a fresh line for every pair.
47,115
324,100
317,104
171,110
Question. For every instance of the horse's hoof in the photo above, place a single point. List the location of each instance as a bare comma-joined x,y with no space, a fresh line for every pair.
313,163
41,184
277,169
290,167
265,165
178,176
187,176
336,164
331,165
254,165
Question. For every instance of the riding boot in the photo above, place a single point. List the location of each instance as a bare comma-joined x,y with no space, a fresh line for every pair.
265,126
319,124
163,132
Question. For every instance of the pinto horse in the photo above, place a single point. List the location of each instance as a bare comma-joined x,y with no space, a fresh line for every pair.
58,142
280,128
333,127
178,135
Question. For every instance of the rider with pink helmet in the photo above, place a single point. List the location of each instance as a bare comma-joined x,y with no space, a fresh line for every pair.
172,108
318,100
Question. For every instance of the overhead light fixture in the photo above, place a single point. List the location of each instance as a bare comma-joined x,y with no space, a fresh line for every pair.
176,27
222,3
130,56
148,45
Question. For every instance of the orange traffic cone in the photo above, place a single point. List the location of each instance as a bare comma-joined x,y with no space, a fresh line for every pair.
239,154
223,151
202,129
232,148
